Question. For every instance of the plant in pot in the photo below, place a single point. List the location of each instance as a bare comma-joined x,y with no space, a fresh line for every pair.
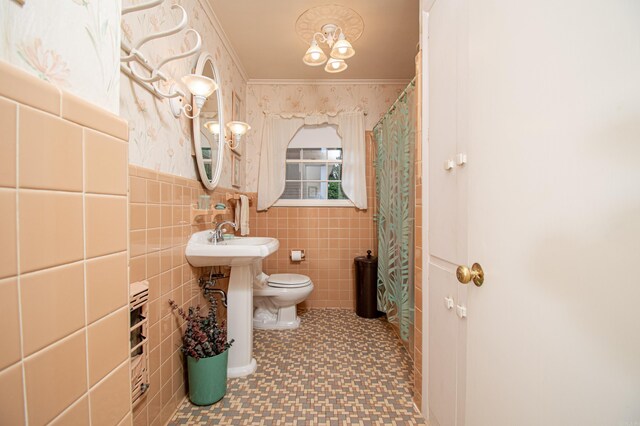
205,345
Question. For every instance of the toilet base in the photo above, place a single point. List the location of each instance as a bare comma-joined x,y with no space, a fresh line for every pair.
280,319
275,325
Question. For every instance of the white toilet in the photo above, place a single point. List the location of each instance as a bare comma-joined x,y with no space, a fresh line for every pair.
275,298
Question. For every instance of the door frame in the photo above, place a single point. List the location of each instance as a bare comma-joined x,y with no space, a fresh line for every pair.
425,7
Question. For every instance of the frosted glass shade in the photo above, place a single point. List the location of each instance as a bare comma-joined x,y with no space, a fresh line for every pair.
200,85
342,49
335,65
238,128
213,127
314,56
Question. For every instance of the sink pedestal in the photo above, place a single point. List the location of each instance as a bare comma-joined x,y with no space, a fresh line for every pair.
240,323
244,255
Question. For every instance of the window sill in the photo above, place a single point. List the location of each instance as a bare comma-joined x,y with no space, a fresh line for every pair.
313,203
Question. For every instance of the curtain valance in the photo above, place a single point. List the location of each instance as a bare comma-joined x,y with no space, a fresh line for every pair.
278,131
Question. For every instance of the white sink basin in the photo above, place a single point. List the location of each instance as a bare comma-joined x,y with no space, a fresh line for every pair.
249,241
233,252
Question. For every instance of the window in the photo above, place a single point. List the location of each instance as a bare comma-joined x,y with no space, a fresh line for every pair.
314,169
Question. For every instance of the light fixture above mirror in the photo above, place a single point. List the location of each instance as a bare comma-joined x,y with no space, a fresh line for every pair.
213,127
201,88
237,129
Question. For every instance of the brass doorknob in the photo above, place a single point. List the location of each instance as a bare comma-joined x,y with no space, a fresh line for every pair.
464,274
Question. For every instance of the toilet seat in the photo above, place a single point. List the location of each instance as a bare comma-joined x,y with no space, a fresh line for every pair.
288,281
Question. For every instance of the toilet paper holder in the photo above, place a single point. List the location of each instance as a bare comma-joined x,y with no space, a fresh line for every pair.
293,257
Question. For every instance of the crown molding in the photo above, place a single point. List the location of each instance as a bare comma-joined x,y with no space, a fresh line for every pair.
325,82
208,10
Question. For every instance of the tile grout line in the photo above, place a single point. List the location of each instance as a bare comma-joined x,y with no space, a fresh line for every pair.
128,286
77,401
84,247
18,269
70,407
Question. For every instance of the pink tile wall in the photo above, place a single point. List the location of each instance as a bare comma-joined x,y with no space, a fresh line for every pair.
159,228
331,238
65,327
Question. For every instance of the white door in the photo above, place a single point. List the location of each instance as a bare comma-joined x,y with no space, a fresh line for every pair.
446,203
547,110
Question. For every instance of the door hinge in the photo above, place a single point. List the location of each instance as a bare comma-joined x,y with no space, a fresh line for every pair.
448,302
461,311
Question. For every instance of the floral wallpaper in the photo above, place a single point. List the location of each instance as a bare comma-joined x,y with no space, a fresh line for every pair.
374,99
74,44
157,140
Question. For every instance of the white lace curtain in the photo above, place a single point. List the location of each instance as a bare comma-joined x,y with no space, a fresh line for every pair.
278,131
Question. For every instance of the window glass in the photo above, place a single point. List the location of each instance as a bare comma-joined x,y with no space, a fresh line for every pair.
293,171
335,171
335,154
292,191
314,165
314,154
335,191
293,154
315,190
315,172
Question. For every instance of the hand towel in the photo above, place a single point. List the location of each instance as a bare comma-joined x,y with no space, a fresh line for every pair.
242,214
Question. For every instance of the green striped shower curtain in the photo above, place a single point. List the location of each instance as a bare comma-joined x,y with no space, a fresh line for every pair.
395,142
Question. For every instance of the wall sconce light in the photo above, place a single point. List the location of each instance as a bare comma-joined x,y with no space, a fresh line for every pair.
201,88
236,128
213,127
341,49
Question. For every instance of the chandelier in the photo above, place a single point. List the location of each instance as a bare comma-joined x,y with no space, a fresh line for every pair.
333,36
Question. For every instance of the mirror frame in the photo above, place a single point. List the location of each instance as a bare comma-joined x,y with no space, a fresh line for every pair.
195,128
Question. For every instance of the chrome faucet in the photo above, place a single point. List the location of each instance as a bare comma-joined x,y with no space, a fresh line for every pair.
217,234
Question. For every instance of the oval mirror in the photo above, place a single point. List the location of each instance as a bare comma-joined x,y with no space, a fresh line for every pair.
207,140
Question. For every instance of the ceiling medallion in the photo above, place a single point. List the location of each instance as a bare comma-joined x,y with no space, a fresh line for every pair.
313,20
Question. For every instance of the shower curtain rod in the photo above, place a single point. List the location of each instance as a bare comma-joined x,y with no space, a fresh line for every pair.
393,106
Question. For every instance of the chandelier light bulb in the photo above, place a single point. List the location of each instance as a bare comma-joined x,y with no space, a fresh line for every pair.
335,65
342,49
314,55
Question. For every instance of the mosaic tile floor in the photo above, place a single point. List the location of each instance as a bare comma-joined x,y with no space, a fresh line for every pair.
336,369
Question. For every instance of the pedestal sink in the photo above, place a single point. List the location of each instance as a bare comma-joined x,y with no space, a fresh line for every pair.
244,256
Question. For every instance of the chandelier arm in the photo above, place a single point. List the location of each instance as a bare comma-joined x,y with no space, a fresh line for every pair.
323,38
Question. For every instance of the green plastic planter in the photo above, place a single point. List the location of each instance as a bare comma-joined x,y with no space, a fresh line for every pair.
207,378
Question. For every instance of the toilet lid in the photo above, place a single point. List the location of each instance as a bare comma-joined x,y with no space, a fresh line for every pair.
288,280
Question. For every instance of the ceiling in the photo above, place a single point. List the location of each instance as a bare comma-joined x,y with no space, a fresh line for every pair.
262,33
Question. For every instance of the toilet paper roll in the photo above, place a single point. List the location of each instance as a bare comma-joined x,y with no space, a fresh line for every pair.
296,255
